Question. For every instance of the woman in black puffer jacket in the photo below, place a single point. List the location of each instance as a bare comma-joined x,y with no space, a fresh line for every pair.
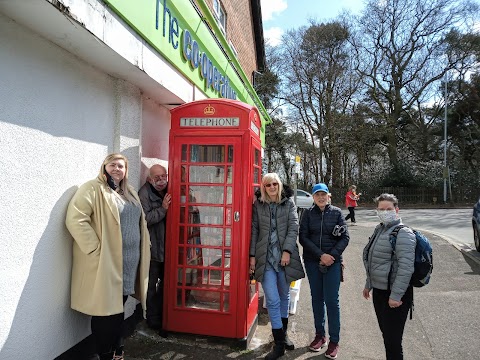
274,256
324,237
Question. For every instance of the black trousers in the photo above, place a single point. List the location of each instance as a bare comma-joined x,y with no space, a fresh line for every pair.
392,321
351,214
107,332
155,294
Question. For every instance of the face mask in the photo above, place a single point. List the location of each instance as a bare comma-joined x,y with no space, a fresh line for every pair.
161,183
387,216
110,181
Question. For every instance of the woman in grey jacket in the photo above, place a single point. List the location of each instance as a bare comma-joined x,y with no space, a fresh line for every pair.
274,256
390,279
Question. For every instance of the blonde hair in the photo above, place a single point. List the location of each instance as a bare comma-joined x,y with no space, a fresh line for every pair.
268,178
124,186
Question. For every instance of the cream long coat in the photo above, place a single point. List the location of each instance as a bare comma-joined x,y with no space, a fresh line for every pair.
97,271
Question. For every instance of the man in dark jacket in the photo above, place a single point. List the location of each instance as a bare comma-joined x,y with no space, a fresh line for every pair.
155,202
324,237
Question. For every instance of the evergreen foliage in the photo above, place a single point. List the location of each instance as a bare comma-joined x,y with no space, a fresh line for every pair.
361,98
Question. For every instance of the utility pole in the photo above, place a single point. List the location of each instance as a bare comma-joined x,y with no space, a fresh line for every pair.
445,169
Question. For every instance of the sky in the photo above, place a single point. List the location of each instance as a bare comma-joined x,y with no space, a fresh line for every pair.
279,16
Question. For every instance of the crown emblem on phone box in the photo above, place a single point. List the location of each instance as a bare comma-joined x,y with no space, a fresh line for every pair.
209,110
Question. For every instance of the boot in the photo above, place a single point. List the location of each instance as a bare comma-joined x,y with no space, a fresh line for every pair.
288,343
106,356
118,354
279,347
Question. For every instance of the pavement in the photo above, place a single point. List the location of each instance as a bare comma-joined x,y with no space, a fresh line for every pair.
445,321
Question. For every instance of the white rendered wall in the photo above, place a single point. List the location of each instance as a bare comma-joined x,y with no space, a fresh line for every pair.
100,21
59,118
155,130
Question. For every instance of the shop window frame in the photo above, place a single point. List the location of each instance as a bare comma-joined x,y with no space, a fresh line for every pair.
220,13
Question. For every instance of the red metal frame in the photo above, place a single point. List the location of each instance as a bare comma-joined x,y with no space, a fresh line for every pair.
207,287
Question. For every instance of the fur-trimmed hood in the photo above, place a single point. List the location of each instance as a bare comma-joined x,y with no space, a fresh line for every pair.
286,229
287,192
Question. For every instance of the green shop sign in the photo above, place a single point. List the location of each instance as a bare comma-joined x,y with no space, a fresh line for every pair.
176,31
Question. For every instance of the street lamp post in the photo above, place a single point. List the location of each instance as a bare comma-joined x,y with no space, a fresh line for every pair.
445,170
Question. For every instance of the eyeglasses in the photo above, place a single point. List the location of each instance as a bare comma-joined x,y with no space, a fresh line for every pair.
159,177
271,184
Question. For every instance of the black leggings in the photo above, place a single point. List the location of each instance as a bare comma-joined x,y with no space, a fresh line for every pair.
107,332
351,216
155,294
392,321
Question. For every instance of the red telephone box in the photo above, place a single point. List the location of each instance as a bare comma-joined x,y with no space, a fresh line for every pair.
214,170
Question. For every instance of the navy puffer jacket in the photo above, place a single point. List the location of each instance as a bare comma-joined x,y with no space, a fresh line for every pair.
317,228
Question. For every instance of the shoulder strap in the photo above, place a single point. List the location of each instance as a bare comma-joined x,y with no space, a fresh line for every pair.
393,236
393,242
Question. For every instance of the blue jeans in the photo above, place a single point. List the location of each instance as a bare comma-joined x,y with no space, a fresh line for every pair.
324,289
277,295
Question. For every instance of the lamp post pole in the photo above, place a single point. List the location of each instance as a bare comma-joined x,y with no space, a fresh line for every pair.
445,171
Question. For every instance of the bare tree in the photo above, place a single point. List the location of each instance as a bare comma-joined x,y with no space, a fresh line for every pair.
402,50
278,144
318,86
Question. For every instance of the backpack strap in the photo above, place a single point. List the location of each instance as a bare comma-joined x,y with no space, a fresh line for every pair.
394,234
393,242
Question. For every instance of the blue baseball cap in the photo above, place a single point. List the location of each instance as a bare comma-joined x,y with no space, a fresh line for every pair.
320,187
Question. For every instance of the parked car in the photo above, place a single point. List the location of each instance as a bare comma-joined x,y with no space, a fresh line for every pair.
304,199
476,225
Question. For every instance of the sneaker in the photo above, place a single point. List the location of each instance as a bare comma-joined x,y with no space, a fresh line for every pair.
332,350
318,343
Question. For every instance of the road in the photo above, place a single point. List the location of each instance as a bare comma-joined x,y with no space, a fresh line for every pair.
454,225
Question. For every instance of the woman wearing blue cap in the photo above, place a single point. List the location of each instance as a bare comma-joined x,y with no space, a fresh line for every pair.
324,237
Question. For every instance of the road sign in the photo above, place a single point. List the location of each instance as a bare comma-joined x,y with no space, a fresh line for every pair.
297,164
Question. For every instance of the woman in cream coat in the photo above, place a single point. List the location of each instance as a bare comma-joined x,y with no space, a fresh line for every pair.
111,253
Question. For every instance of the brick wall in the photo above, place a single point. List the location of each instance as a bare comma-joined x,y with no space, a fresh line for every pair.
240,32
